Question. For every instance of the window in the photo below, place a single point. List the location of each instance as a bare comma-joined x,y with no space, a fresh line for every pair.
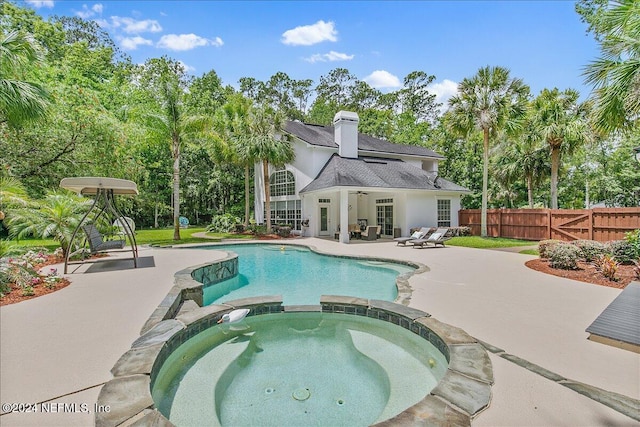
282,183
324,200
287,212
444,213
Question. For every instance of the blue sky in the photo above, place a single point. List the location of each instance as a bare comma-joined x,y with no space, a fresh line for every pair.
542,42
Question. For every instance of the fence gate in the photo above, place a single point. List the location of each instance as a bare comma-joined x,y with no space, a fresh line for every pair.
571,224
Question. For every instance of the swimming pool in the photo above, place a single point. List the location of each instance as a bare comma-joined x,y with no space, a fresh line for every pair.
301,276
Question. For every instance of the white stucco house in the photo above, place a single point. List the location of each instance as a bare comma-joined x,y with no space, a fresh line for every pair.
342,177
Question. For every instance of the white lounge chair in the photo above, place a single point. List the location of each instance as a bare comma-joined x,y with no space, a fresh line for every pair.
420,234
438,237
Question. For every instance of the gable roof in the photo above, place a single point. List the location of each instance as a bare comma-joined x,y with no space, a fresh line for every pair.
322,136
371,172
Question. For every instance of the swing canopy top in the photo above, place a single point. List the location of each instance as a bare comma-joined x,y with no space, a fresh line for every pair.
91,185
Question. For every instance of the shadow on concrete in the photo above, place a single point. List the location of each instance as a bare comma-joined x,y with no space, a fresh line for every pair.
120,264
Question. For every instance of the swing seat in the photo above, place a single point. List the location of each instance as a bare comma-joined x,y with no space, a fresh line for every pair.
97,242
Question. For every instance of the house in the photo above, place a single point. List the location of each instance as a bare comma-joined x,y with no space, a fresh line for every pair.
341,177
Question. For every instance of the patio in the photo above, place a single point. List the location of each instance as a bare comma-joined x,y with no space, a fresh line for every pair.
60,347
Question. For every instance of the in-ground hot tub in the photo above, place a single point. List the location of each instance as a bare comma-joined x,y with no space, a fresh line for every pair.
347,361
292,369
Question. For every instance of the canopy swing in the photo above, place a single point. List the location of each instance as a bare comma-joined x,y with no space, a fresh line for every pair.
104,190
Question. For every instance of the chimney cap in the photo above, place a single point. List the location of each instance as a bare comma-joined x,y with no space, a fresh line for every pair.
349,116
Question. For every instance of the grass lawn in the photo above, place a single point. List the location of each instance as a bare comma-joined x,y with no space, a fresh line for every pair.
488,242
160,236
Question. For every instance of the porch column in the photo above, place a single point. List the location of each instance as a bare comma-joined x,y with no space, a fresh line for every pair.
344,216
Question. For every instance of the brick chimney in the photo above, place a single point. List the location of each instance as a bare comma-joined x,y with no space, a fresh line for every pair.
345,125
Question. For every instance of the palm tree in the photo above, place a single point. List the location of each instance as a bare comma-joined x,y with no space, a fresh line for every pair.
523,157
561,122
20,100
56,216
12,193
233,142
173,122
267,144
490,101
616,74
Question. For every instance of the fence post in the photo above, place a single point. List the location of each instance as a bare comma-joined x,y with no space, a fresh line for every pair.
590,224
548,223
500,222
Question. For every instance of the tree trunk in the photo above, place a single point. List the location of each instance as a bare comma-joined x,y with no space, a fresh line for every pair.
155,215
485,179
267,195
555,164
246,195
530,190
176,190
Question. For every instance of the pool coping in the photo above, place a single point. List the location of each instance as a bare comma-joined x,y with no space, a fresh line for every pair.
462,394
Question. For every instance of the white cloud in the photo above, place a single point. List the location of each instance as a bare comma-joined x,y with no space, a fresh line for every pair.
132,43
382,78
186,42
133,26
443,91
187,68
307,35
329,57
102,22
40,3
88,12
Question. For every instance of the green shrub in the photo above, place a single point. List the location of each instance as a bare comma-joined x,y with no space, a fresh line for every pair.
623,251
284,231
225,223
633,238
564,255
590,250
544,246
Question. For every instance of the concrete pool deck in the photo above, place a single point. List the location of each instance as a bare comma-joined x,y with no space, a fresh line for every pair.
59,348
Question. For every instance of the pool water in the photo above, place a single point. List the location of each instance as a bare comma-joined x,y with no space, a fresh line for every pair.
302,276
294,369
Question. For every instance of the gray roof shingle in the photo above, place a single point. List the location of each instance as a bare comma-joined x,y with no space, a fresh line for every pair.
370,172
323,136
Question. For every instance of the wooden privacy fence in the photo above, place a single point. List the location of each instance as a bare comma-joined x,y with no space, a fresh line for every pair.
601,224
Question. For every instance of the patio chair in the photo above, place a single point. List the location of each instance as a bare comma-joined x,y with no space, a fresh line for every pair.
371,232
420,234
97,242
438,237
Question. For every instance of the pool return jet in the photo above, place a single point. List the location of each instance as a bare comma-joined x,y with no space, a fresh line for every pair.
104,189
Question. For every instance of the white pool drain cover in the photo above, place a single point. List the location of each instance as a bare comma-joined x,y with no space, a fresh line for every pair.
301,394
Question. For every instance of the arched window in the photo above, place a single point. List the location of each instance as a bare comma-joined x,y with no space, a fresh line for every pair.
282,183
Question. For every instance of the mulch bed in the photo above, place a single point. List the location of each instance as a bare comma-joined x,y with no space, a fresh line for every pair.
40,289
586,272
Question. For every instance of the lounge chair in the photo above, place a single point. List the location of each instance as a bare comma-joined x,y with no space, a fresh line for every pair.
371,232
420,234
438,237
97,242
